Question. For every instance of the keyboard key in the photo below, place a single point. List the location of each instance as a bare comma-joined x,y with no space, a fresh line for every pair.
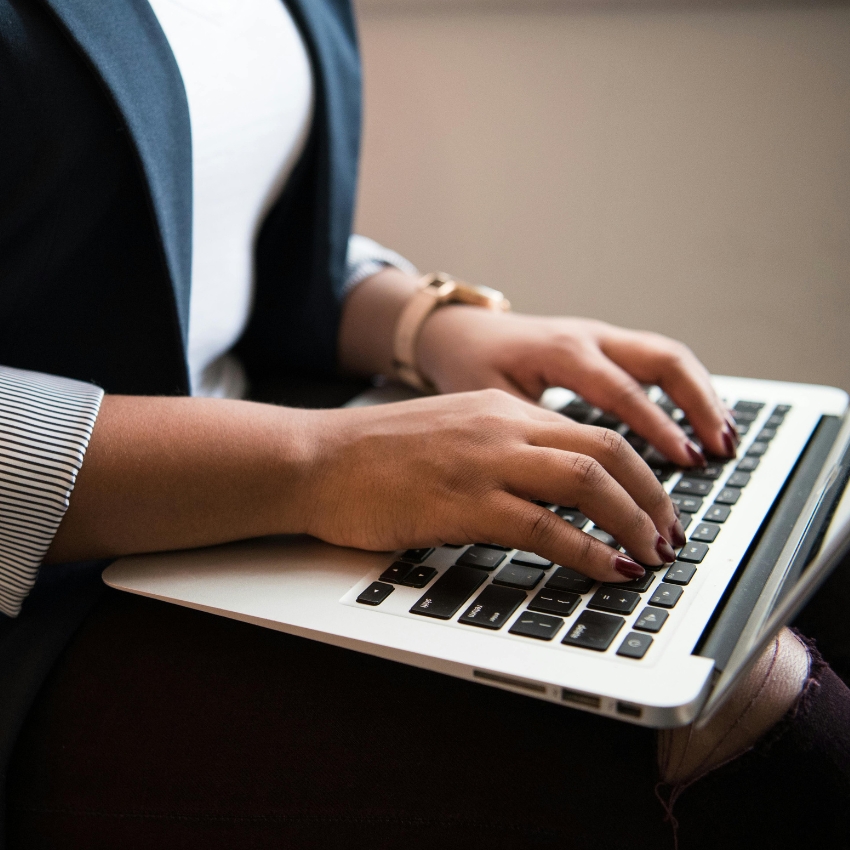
774,420
593,630
540,626
555,602
757,449
635,645
449,592
744,416
493,607
416,556
718,513
396,572
514,575
781,409
680,573
738,479
747,464
615,601
686,504
705,532
711,472
579,410
651,620
566,579
573,517
693,553
663,473
743,428
728,496
484,559
495,546
529,559
419,576
766,435
753,406
608,421
693,487
375,594
639,585
685,520
638,443
603,537
666,595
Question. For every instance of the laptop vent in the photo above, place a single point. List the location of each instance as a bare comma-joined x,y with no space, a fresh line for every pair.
498,679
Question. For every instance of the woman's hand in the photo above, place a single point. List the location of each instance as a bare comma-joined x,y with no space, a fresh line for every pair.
463,468
464,348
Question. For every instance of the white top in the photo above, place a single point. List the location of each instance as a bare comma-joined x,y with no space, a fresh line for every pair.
250,90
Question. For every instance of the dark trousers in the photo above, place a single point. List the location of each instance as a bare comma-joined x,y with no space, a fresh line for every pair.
163,727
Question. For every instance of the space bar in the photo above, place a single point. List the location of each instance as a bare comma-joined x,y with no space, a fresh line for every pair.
449,592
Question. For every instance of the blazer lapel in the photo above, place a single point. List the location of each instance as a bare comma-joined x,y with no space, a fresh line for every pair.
124,42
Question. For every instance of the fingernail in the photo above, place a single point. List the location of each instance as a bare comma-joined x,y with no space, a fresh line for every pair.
665,550
677,534
695,453
728,442
628,568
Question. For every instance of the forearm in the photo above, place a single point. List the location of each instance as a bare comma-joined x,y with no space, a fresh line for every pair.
171,473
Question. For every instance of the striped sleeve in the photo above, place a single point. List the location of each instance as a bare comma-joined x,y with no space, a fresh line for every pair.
45,426
366,257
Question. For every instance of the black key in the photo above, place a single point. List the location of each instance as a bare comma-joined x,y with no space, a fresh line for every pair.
728,496
651,620
754,406
419,577
540,626
529,559
493,607
774,420
637,442
663,472
375,594
747,464
453,545
680,573
744,416
396,572
757,449
718,513
615,601
738,479
693,487
685,520
579,410
603,537
686,504
566,579
635,645
479,556
705,532
693,553
743,428
639,585
608,421
781,409
513,575
495,546
766,435
573,517
593,630
666,403
711,472
555,602
416,556
666,595
449,592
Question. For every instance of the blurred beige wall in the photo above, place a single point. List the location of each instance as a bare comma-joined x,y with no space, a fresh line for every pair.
681,169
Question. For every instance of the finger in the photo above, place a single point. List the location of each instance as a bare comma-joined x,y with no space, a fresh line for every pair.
603,383
623,463
577,480
523,525
655,359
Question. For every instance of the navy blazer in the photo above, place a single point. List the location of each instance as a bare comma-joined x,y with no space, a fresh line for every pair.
95,240
96,194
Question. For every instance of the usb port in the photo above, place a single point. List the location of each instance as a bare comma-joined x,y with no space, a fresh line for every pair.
578,698
629,710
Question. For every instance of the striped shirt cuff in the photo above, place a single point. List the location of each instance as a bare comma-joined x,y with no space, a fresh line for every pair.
366,257
45,426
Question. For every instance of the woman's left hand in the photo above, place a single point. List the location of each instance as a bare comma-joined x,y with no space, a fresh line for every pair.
467,348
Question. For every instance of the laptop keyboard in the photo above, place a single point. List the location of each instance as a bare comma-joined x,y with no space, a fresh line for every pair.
485,585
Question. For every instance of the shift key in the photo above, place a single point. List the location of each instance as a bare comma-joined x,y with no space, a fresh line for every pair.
449,592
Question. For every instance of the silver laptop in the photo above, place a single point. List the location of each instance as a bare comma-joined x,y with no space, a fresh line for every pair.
764,530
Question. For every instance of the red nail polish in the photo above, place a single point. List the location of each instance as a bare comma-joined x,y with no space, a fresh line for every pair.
628,568
664,550
695,454
728,443
677,534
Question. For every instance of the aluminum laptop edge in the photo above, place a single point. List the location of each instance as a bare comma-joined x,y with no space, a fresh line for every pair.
789,528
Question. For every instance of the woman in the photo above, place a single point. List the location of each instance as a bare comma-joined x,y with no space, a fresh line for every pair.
179,183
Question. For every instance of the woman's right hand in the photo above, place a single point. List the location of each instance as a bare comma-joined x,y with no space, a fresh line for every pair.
463,468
